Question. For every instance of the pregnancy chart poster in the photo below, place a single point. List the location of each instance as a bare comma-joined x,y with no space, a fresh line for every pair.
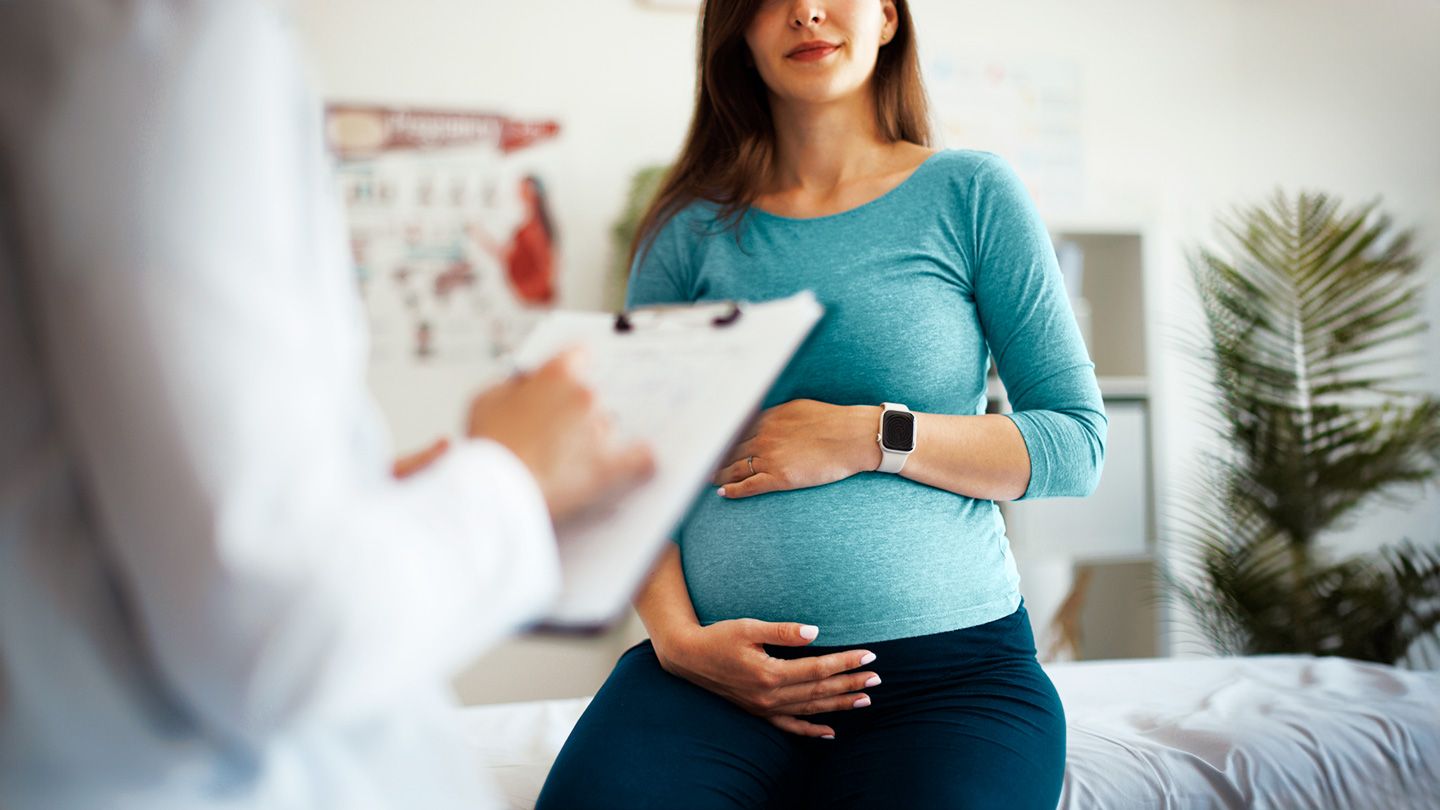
450,229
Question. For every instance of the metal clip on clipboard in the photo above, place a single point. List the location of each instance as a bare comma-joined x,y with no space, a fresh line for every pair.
626,321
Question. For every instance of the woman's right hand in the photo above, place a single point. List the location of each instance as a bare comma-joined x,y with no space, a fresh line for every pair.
729,659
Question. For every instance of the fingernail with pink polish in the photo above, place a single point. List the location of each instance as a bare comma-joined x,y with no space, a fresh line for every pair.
867,659
862,703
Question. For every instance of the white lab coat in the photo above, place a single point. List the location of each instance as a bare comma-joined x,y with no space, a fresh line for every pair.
212,593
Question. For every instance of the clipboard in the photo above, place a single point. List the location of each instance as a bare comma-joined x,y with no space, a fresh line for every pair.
685,378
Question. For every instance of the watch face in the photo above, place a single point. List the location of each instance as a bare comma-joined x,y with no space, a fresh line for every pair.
897,431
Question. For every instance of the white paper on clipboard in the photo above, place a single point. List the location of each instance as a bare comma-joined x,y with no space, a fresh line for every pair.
686,386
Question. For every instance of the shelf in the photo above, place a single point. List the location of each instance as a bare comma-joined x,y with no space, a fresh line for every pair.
1113,388
1118,558
1124,387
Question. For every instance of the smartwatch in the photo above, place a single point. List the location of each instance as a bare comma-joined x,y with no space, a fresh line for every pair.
896,437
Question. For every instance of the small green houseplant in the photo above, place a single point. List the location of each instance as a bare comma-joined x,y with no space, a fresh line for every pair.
643,187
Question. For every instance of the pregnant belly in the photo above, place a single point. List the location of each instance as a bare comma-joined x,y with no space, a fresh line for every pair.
870,549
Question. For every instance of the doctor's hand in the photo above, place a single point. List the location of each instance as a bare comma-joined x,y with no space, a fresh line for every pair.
729,659
553,423
801,443
408,465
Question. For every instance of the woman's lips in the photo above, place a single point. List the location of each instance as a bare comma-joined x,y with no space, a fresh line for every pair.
813,53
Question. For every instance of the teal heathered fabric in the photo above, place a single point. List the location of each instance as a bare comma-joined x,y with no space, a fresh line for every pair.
915,284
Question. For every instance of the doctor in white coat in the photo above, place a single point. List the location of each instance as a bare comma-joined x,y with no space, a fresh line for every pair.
214,590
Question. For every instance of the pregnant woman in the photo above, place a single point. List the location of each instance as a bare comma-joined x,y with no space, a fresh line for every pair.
839,623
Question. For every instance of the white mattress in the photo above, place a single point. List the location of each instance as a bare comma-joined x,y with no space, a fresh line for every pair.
1265,732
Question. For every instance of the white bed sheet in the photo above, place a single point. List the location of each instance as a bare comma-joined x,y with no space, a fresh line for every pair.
1262,732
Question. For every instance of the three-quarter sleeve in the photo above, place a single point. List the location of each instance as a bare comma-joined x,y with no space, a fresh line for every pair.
1032,334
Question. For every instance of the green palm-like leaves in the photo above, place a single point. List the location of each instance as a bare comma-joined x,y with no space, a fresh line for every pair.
1308,318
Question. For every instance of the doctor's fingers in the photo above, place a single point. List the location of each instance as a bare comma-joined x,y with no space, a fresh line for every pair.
572,362
408,465
550,399
558,385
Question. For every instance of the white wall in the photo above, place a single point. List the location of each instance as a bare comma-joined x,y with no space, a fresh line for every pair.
1190,107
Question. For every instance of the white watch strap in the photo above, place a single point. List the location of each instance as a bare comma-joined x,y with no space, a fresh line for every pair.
890,461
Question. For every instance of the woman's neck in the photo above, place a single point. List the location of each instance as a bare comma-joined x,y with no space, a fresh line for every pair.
819,148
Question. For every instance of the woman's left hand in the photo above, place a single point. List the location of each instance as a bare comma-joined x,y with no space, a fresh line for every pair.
801,443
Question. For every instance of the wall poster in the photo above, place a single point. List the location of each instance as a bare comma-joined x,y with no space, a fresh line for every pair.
448,212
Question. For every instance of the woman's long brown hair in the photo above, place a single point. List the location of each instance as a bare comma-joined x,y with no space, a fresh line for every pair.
731,143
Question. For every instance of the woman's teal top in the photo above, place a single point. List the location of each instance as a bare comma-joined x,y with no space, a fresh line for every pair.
920,287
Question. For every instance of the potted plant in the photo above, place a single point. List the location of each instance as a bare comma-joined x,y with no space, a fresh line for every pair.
1311,315
644,184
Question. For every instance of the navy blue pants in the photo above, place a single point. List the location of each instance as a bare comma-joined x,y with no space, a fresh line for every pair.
962,719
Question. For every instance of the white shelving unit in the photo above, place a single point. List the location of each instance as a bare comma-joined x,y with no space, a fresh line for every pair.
1104,544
